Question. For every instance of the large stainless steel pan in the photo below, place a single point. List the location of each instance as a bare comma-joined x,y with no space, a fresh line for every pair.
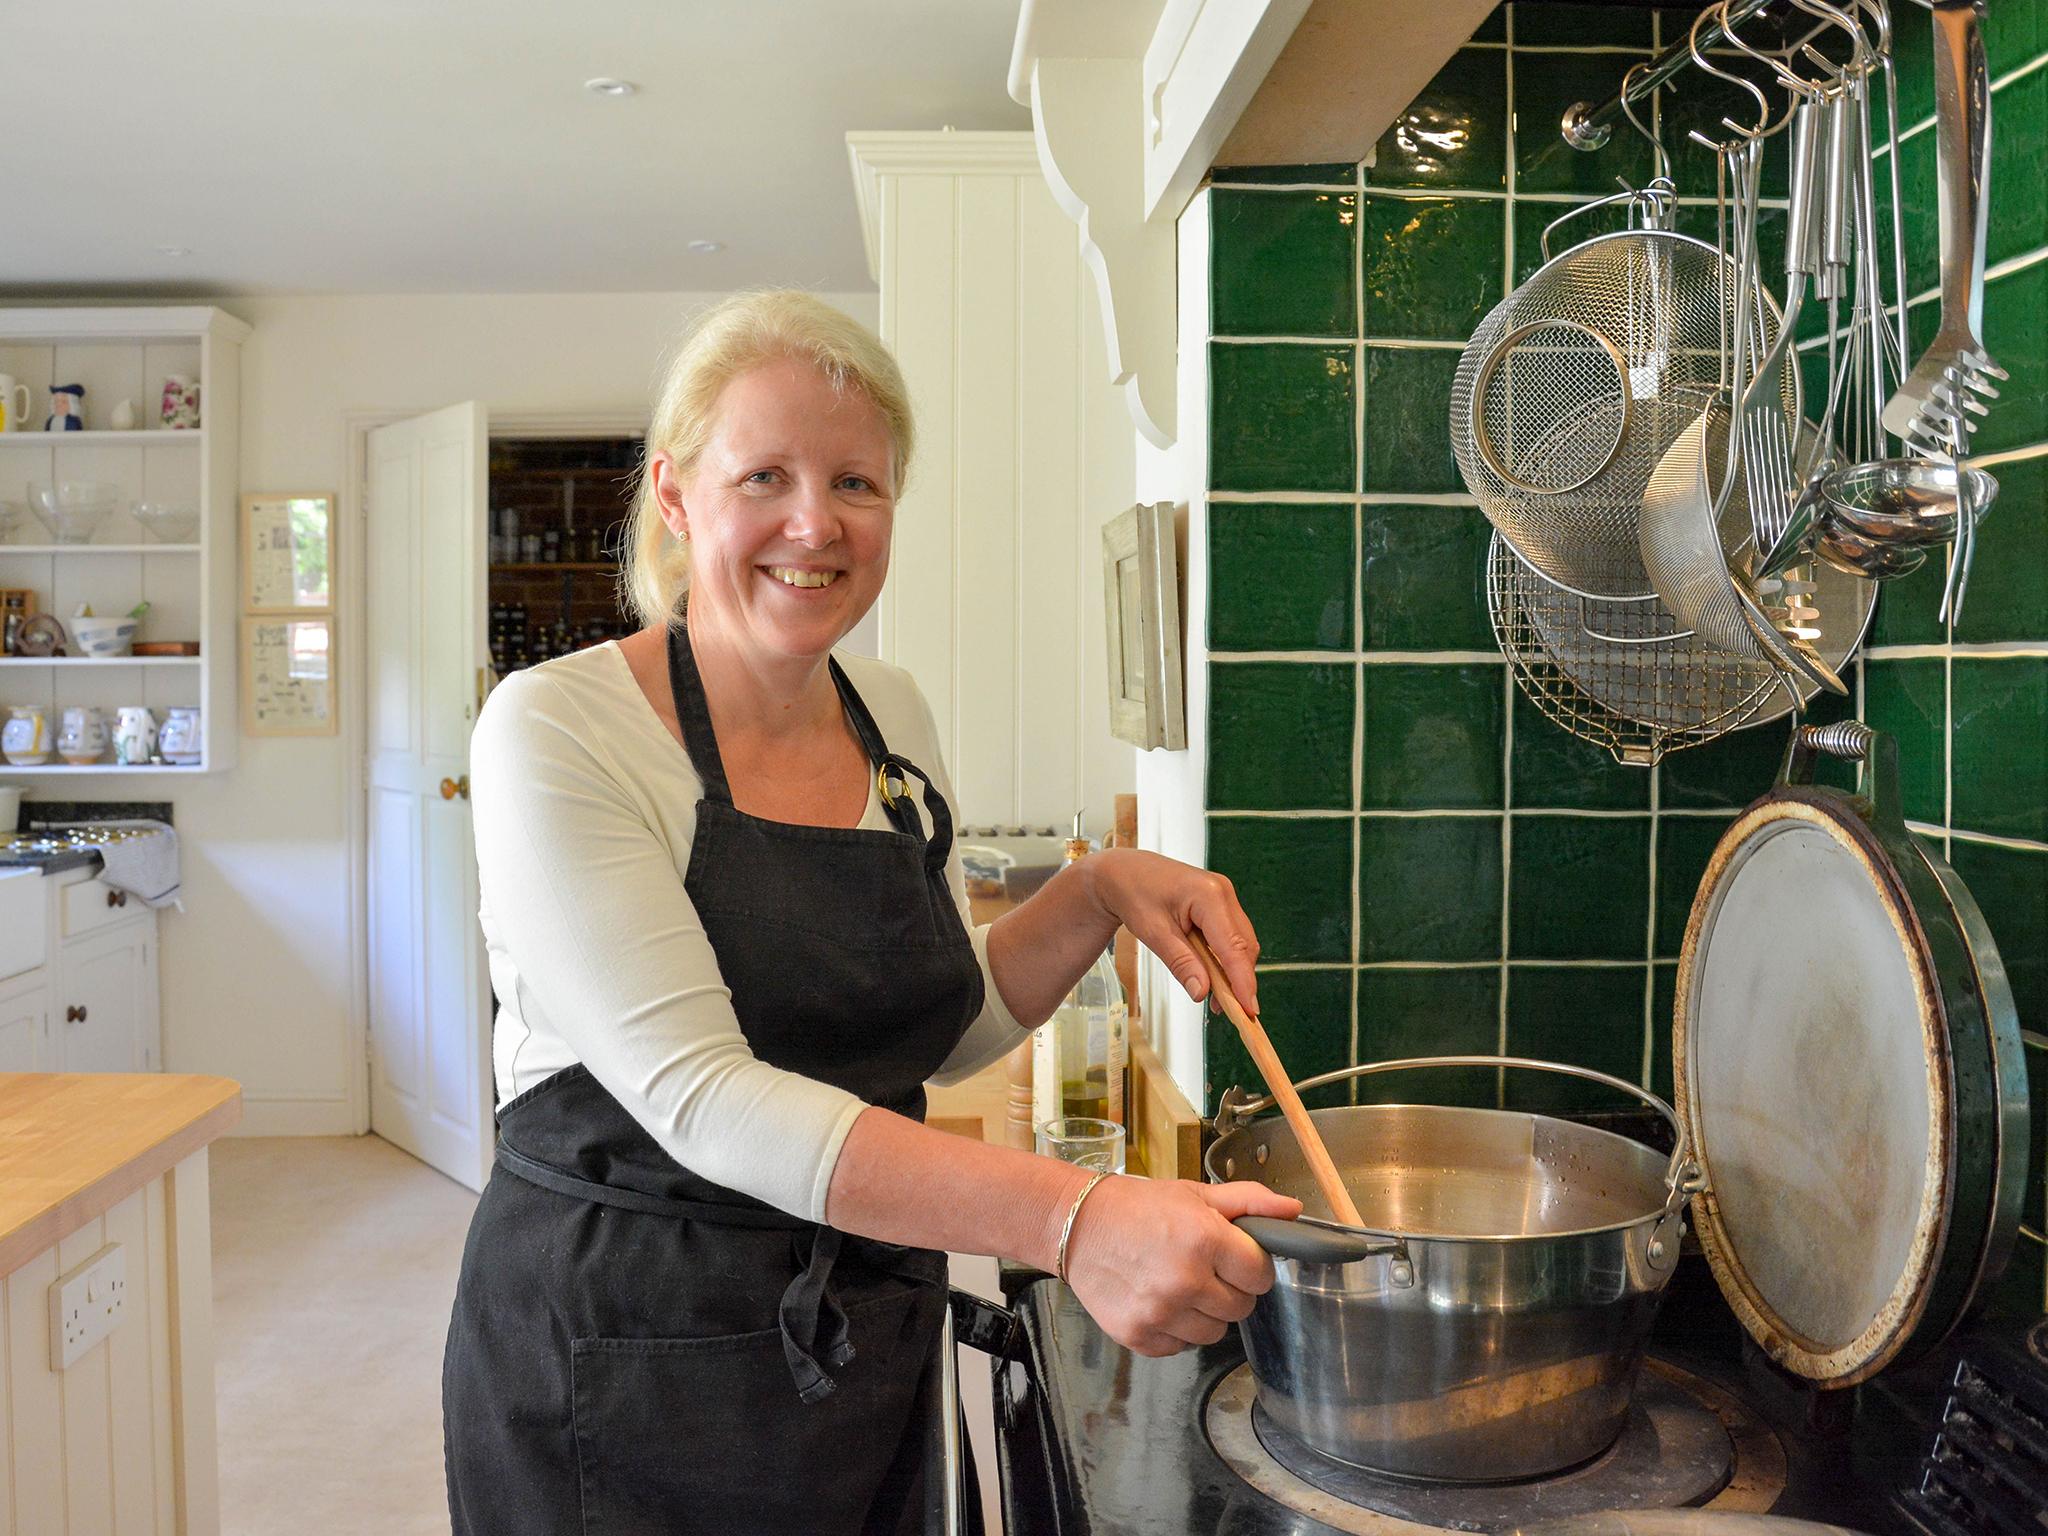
1487,1321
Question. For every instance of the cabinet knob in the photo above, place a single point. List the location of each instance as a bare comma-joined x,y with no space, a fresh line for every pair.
117,898
75,1014
450,788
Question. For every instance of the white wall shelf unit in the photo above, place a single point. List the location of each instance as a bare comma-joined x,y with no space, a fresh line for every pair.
156,437
98,549
124,353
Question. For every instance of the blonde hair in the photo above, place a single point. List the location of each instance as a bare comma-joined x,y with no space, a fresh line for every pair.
734,336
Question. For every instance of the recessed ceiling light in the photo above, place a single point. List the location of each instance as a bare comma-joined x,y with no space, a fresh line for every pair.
705,247
174,250
606,85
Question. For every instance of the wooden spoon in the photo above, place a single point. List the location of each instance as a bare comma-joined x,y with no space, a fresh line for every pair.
1281,1086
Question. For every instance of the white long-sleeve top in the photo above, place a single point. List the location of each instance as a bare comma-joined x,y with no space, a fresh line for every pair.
585,807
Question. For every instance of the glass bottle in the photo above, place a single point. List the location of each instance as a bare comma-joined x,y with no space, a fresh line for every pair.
1078,1055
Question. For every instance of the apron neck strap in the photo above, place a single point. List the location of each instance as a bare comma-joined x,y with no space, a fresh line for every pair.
893,773
693,713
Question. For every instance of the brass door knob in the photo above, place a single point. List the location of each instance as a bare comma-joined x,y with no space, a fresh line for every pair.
75,1014
450,788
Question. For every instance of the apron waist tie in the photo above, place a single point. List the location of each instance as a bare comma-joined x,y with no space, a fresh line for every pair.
813,1322
815,1341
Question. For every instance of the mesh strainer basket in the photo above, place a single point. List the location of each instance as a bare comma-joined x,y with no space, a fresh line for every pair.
1573,388
1627,676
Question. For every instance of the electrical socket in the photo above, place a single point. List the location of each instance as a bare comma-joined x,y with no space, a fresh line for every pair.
87,1304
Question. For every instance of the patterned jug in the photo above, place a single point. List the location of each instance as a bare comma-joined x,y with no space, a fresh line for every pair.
179,742
25,740
84,736
134,735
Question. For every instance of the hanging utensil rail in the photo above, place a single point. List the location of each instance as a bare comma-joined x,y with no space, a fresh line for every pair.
1588,126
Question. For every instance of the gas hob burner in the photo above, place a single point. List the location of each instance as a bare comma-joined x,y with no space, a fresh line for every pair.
1687,1445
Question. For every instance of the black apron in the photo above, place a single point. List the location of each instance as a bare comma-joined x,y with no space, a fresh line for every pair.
635,1349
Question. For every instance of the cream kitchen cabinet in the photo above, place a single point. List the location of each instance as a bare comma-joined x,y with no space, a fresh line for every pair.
85,998
103,985
24,1023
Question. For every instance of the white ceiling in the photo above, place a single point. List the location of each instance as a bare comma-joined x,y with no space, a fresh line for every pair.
409,146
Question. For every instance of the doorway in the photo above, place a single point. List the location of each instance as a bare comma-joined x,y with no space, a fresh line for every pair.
558,516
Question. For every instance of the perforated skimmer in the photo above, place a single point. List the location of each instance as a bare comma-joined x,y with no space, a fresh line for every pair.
1572,390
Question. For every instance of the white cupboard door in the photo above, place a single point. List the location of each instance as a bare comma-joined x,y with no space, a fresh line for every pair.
24,1019
103,995
430,1078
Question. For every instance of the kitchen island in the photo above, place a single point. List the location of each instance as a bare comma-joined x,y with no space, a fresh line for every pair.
108,1413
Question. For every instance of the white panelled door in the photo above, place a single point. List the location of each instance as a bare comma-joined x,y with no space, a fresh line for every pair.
430,1054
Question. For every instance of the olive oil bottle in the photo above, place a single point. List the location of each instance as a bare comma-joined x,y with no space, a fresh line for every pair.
1078,1055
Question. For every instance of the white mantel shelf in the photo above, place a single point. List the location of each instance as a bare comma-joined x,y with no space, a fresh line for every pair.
1132,102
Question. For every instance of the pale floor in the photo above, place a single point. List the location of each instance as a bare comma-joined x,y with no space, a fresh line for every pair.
334,1267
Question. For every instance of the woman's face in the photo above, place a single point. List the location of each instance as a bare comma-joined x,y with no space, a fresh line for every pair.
788,512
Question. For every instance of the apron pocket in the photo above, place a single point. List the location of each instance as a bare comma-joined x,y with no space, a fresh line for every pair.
679,1436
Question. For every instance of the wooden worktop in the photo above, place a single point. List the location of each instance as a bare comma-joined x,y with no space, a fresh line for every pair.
75,1144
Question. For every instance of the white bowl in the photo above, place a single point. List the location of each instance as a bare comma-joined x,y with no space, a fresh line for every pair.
105,637
165,521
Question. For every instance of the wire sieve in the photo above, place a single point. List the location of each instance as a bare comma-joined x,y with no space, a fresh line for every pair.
1570,392
1628,677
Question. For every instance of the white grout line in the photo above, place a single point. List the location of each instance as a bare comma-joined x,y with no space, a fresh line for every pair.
1342,498
1993,840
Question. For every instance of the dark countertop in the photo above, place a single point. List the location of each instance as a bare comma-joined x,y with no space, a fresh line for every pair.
53,863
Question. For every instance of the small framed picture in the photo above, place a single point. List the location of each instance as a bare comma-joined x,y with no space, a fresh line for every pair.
287,551
288,677
1141,601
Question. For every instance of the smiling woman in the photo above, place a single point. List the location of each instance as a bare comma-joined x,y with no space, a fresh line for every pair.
727,928
777,325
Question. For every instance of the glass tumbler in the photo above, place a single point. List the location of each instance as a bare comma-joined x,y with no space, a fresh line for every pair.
1097,1144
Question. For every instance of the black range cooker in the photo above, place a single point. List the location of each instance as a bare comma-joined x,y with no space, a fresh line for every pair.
1093,1439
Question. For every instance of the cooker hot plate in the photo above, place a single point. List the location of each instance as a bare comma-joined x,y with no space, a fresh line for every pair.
1094,1439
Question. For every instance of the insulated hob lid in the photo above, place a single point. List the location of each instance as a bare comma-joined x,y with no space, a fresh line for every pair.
1834,1068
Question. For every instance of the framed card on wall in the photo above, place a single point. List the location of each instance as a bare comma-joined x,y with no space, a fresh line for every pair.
288,676
287,551
1141,603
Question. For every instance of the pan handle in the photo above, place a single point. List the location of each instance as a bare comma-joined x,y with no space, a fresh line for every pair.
1853,742
1309,1241
1681,1176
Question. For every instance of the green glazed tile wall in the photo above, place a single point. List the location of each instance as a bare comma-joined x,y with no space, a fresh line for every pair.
1433,866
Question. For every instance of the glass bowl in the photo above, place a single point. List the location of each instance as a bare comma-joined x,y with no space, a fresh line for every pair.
73,509
166,523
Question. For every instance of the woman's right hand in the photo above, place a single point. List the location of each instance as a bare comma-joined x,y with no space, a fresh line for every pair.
1158,1264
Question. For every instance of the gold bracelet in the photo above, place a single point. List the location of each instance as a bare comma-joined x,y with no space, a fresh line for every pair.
1067,1232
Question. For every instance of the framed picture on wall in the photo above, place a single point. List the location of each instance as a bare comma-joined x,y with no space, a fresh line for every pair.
287,552
288,676
1141,603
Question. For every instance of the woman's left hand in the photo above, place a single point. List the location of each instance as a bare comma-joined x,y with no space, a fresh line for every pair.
1162,900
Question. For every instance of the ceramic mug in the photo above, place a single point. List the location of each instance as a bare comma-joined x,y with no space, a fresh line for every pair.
84,736
179,740
25,740
15,402
180,409
134,735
